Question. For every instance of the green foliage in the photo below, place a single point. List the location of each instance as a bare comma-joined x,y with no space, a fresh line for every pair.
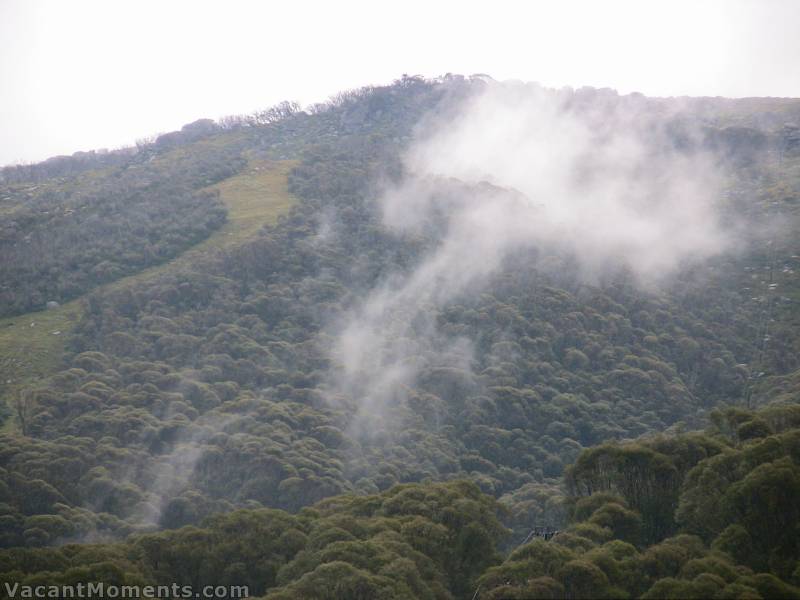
196,416
737,494
410,542
64,237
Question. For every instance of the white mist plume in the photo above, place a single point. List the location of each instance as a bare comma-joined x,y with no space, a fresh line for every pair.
603,173
520,167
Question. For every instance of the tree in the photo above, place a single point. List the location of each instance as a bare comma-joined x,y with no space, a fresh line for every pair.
24,407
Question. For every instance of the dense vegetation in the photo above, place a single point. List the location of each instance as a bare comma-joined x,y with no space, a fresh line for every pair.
63,236
196,413
645,521
689,516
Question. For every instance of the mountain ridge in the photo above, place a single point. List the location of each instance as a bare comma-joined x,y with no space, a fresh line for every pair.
206,412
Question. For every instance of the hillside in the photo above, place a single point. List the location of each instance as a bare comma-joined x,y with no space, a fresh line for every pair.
32,346
290,357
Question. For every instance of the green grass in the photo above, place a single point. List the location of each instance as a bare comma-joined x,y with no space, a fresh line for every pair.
255,197
32,347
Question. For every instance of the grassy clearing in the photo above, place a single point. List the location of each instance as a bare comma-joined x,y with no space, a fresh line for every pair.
255,197
32,347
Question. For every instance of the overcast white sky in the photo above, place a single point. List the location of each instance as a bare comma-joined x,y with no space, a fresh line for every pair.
83,74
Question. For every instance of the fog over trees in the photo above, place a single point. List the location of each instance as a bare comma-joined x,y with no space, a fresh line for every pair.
505,342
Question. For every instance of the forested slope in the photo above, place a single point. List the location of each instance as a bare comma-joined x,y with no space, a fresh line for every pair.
645,521
619,413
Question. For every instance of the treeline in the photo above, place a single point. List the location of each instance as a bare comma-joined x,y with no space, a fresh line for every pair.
71,223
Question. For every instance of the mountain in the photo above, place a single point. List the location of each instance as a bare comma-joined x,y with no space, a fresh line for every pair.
385,346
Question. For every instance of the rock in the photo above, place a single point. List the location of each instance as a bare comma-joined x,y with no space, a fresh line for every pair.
52,304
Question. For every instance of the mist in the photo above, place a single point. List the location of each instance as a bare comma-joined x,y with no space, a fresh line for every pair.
515,169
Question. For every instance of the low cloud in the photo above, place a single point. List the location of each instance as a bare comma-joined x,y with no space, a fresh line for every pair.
520,168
